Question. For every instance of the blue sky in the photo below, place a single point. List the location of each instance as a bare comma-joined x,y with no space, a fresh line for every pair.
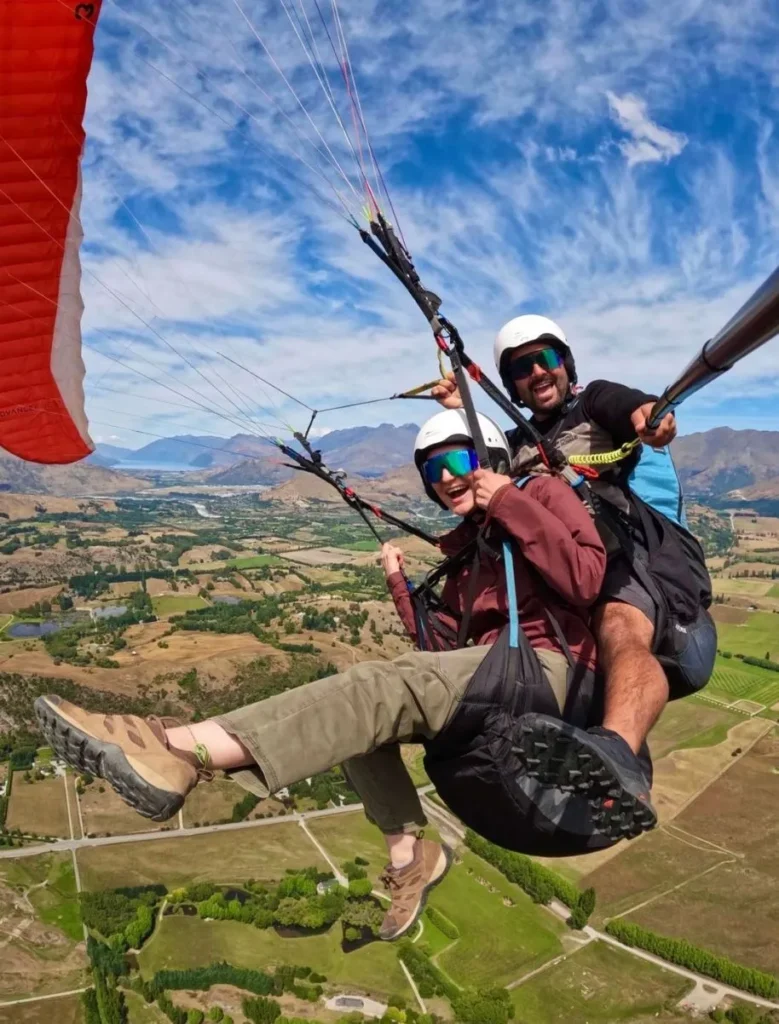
612,165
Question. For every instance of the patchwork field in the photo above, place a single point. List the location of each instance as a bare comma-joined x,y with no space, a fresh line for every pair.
40,927
264,852
689,723
737,681
712,875
600,985
39,807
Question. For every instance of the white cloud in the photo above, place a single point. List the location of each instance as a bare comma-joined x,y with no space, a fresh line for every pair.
649,143
505,173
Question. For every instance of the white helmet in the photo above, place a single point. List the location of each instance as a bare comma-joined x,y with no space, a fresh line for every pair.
522,330
450,427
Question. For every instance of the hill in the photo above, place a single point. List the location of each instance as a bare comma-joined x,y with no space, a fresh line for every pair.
80,478
716,462
370,451
265,471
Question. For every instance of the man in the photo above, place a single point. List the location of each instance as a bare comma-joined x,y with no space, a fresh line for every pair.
360,716
656,590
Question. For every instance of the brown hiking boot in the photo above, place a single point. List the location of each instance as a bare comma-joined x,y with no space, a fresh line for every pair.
129,752
408,887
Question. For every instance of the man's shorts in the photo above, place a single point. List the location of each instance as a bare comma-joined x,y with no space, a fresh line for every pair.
622,584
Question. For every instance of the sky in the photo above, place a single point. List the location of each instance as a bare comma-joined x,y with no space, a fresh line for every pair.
613,165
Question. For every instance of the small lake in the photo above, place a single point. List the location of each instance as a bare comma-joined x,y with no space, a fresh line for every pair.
26,630
109,611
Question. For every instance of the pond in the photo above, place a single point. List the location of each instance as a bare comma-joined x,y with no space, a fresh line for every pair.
34,629
225,599
293,931
109,611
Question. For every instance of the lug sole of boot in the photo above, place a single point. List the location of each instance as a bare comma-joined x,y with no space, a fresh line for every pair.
553,756
107,761
448,856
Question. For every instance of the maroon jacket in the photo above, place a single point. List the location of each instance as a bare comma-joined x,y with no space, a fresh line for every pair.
554,532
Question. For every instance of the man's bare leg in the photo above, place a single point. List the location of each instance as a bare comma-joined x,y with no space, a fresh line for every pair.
636,686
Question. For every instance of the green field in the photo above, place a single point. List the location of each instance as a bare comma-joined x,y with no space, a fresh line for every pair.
757,636
599,985
253,561
774,591
690,723
173,604
738,681
498,943
263,853
182,942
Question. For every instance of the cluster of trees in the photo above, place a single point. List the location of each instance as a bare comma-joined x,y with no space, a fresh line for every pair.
259,983
540,883
41,609
744,1015
685,954
64,644
123,916
261,1010
331,619
177,1015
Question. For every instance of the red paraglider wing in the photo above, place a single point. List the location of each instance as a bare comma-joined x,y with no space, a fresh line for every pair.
45,54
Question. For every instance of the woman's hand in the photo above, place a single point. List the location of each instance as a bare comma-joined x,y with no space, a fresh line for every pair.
487,485
446,392
392,559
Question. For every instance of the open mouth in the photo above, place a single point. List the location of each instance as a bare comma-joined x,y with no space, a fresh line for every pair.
456,492
544,387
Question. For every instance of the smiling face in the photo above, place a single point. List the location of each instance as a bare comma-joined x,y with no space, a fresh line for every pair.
456,492
542,390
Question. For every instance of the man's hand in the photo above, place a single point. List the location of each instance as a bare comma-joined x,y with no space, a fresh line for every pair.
392,559
664,432
487,486
446,393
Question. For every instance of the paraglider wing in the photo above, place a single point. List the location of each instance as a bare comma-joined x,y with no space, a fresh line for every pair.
46,51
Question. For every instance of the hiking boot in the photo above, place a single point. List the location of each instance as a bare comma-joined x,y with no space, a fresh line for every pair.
408,887
129,752
598,765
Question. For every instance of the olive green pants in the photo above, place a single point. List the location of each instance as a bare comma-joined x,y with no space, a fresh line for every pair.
357,719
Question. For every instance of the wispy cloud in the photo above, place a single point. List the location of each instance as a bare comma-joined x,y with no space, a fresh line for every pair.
206,232
649,143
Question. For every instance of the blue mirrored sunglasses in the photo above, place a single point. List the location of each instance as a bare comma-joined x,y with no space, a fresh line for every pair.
547,358
459,462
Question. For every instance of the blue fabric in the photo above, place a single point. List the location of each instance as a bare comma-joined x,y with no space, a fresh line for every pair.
655,480
511,593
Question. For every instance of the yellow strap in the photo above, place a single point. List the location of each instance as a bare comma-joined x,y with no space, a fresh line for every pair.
604,458
418,390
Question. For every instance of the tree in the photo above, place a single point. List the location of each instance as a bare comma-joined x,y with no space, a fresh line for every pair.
195,1017
360,887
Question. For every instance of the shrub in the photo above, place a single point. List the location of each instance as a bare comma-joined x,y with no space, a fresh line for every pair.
442,923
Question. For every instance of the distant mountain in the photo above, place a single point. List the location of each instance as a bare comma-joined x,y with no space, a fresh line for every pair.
77,479
200,451
370,451
112,451
266,471
717,462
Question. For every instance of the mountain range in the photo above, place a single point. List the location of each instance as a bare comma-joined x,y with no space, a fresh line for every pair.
742,464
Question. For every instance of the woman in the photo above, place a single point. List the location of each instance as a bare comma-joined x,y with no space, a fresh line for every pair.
359,717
